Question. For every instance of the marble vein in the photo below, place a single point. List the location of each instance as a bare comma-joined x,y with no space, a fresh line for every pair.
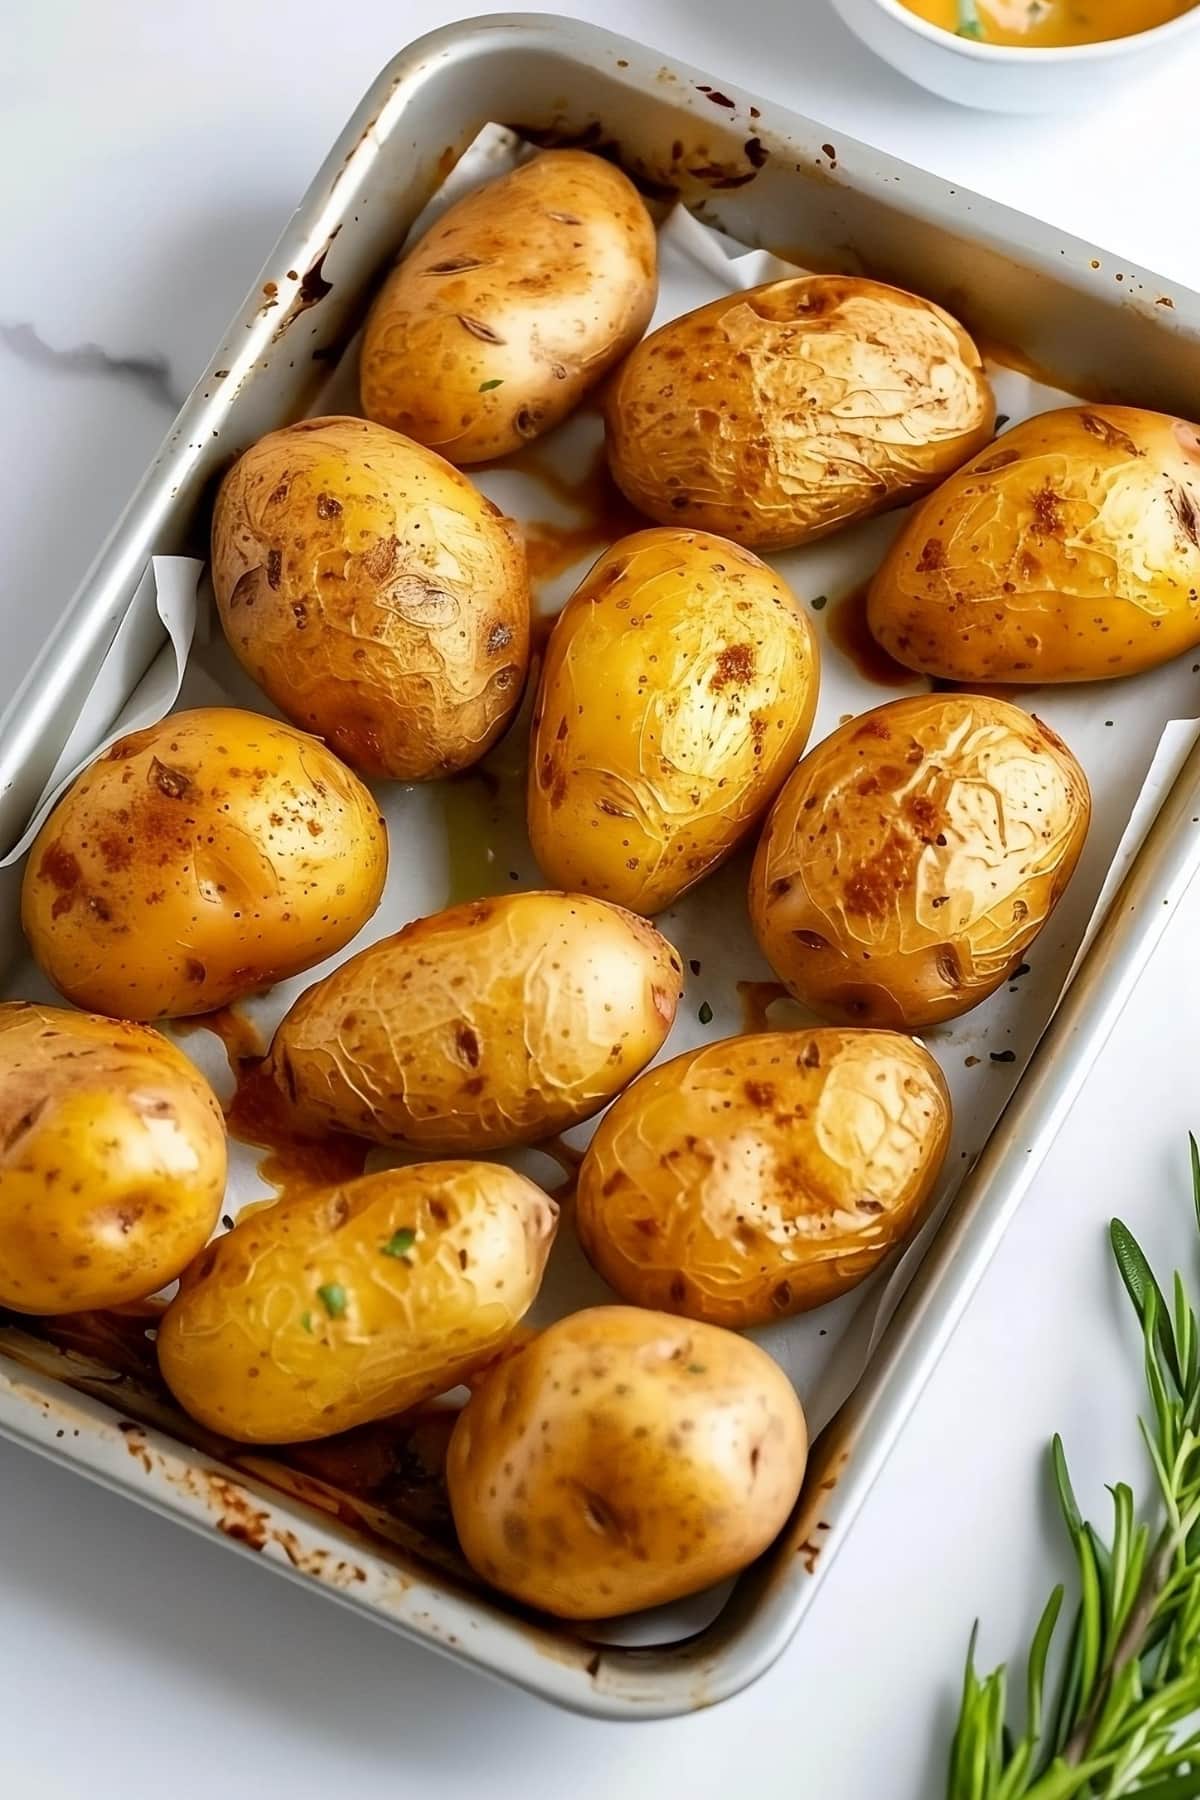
152,374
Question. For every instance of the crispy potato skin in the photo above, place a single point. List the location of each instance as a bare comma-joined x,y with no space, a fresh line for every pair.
623,1459
198,860
113,1161
375,596
493,1023
334,1308
763,1175
914,856
515,303
777,415
679,688
1069,550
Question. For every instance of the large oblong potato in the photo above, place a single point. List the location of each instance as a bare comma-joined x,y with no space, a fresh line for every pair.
1069,550
195,861
112,1160
679,688
760,1176
378,598
623,1459
914,856
776,415
493,1023
520,297
345,1305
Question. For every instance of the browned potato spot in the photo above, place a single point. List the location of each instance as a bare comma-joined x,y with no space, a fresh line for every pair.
763,1175
623,1459
1069,550
496,324
678,690
374,594
776,415
914,856
198,860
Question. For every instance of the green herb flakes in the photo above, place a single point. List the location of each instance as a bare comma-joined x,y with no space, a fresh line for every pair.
485,387
400,1242
332,1296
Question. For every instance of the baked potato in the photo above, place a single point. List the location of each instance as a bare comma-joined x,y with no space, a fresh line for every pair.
515,303
112,1160
375,596
197,860
623,1459
913,857
777,415
761,1176
678,690
1069,550
496,1022
343,1305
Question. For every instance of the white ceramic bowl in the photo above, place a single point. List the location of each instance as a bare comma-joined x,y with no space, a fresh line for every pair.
1007,78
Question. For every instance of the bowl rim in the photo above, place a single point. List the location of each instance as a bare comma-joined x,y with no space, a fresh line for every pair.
1025,55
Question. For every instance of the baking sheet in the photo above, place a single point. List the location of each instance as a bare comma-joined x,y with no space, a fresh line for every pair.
463,838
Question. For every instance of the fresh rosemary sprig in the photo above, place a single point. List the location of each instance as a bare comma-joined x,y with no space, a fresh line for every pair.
1130,1676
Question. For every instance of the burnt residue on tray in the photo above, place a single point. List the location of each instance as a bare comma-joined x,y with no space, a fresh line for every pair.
849,632
662,181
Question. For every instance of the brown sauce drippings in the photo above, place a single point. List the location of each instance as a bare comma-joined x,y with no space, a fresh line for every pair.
604,514
240,1035
849,632
993,690
757,999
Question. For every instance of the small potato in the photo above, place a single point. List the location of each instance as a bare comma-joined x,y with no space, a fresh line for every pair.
1069,550
515,303
776,415
198,860
764,1175
678,690
623,1459
341,1306
914,856
374,594
497,1022
113,1161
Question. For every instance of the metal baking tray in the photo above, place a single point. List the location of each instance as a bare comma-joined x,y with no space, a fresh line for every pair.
766,178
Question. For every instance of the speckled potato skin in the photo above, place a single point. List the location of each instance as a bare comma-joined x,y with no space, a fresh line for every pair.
623,1459
762,1176
1069,550
495,325
113,1161
493,1023
378,598
197,861
678,690
315,1315
777,415
913,857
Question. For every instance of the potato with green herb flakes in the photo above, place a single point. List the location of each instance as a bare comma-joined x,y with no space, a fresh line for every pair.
622,1459
335,1308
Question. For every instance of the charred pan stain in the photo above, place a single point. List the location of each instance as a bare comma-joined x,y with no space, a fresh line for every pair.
313,286
716,96
755,152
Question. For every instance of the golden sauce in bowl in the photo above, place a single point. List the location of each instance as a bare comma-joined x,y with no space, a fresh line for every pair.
1045,24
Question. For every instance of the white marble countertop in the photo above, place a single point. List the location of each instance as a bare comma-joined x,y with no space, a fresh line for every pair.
153,151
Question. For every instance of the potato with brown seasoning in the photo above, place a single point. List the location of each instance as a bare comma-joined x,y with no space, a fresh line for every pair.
761,1176
623,1459
1069,550
913,857
678,690
375,595
197,861
493,1023
511,307
776,415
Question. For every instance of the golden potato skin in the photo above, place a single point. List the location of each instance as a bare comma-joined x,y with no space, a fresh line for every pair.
493,1023
1069,550
337,1307
678,689
777,415
196,861
761,1176
511,307
113,1161
374,594
623,1459
914,856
